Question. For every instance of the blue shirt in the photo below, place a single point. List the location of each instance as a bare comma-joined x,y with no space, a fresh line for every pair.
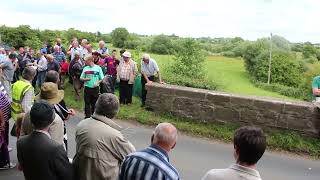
59,57
149,164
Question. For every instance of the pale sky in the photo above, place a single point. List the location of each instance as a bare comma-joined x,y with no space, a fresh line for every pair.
296,20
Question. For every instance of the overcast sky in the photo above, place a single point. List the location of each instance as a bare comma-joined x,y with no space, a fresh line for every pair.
296,20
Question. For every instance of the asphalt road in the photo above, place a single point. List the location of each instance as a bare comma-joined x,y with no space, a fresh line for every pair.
194,156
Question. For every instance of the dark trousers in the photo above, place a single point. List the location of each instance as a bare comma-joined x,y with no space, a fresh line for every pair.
108,84
143,87
4,153
125,92
90,98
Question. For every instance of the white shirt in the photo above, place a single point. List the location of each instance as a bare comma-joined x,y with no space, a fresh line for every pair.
149,69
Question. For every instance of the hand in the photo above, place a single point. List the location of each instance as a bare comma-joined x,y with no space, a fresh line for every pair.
161,82
149,82
72,112
87,79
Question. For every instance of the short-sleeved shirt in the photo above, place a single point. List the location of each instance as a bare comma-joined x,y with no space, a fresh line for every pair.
7,69
59,57
149,69
111,64
54,65
103,50
316,82
95,73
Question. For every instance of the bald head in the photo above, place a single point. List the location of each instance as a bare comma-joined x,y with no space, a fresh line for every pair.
165,135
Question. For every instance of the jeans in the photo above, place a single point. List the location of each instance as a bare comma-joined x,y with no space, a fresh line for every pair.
125,92
90,98
143,87
40,78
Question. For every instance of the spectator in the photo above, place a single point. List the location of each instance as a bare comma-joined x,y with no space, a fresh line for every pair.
121,52
23,59
75,73
41,68
3,54
39,156
61,48
75,48
90,50
249,145
4,130
33,62
149,68
111,64
153,162
58,55
52,64
101,147
104,51
92,75
7,69
60,108
97,59
84,46
127,71
22,95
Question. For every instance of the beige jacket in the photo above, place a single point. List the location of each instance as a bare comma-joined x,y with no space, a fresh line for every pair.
133,72
56,129
100,149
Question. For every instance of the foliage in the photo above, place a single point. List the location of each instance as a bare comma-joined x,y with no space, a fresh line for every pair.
188,61
34,43
161,44
284,90
309,50
313,71
132,42
119,37
285,69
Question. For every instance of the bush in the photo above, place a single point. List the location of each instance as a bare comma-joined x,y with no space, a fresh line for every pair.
285,70
283,90
314,70
119,37
229,54
161,44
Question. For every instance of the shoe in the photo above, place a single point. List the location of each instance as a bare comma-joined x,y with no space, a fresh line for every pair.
9,149
8,166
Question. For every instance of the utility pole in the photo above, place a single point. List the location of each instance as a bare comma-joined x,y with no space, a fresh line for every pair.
270,59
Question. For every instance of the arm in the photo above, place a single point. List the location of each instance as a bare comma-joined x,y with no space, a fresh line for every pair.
83,76
122,147
61,164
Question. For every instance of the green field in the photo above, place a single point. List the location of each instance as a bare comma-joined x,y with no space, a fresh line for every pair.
229,73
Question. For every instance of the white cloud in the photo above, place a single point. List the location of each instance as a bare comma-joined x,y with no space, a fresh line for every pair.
296,20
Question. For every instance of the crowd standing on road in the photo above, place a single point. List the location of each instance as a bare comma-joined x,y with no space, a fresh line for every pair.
32,95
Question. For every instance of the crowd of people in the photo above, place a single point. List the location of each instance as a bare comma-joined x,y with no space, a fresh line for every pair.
102,151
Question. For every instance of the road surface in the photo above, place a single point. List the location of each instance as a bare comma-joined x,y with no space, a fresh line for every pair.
194,156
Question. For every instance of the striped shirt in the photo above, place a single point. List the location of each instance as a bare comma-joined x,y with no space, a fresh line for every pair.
59,57
149,164
5,106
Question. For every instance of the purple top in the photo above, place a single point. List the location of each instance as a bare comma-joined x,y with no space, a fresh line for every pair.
111,64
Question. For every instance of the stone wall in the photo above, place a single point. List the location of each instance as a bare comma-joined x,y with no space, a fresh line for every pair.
204,105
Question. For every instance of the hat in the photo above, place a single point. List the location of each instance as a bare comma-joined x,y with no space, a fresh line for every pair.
126,54
49,91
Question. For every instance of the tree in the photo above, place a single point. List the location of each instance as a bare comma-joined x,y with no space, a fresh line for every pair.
161,44
188,61
34,43
119,37
309,50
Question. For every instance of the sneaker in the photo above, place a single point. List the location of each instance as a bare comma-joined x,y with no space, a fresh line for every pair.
9,149
8,166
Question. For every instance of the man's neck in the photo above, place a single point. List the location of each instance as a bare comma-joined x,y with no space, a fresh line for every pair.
91,64
246,165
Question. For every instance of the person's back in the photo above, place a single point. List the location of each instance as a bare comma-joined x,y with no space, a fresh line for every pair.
101,146
234,172
37,154
249,146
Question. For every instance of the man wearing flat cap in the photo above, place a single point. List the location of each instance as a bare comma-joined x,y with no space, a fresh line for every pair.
39,156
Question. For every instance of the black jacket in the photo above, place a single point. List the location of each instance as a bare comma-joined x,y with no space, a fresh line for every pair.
43,159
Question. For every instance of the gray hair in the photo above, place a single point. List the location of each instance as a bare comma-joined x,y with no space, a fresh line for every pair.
56,47
101,42
166,133
146,56
107,105
29,73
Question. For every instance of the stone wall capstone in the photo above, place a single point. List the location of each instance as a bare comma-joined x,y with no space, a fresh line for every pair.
210,106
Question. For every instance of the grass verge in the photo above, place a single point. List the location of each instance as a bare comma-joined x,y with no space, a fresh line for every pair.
277,140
